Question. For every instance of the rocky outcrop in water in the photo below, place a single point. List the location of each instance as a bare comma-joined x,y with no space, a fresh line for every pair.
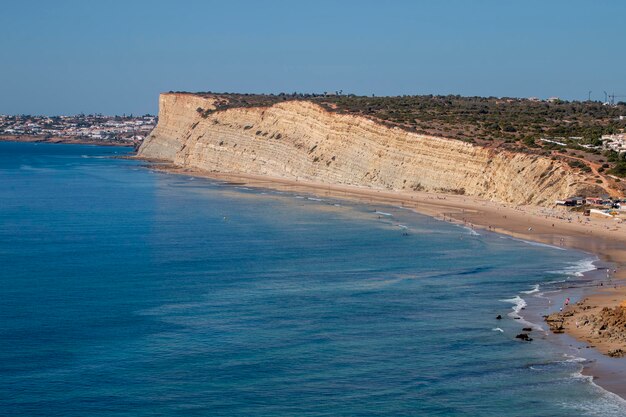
525,337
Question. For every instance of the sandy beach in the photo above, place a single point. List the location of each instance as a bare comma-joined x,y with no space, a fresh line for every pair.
603,237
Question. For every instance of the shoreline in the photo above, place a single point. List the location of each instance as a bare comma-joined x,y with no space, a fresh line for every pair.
64,140
601,237
546,299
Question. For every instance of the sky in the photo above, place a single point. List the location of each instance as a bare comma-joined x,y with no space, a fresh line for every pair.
115,57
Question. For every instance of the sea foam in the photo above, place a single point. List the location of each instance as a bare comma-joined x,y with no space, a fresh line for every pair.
533,291
577,268
519,304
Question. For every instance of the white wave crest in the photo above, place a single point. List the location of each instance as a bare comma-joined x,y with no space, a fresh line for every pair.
519,302
534,290
577,268
607,405
469,230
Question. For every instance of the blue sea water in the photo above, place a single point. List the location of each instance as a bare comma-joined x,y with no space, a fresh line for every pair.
128,292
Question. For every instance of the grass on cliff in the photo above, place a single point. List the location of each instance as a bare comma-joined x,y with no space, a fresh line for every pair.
465,118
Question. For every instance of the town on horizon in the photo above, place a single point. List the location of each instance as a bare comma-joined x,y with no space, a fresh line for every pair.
131,129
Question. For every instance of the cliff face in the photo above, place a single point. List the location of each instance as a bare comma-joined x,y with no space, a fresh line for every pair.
300,140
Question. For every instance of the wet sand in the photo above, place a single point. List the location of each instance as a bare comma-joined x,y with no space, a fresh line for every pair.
603,237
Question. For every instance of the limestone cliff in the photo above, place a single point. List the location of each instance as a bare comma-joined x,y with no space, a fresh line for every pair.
301,140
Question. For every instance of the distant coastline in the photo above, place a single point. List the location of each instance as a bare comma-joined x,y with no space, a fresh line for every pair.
67,140
90,129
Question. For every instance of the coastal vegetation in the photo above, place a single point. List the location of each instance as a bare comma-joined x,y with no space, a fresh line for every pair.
466,118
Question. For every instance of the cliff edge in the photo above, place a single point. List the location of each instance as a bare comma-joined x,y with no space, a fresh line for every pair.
301,140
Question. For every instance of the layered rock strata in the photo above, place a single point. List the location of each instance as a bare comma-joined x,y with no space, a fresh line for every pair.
302,141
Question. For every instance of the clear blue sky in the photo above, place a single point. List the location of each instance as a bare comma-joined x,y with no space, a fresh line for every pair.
114,57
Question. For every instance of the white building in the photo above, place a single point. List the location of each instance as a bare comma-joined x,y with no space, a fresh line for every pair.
615,143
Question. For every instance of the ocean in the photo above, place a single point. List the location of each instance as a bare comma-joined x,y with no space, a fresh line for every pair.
131,292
